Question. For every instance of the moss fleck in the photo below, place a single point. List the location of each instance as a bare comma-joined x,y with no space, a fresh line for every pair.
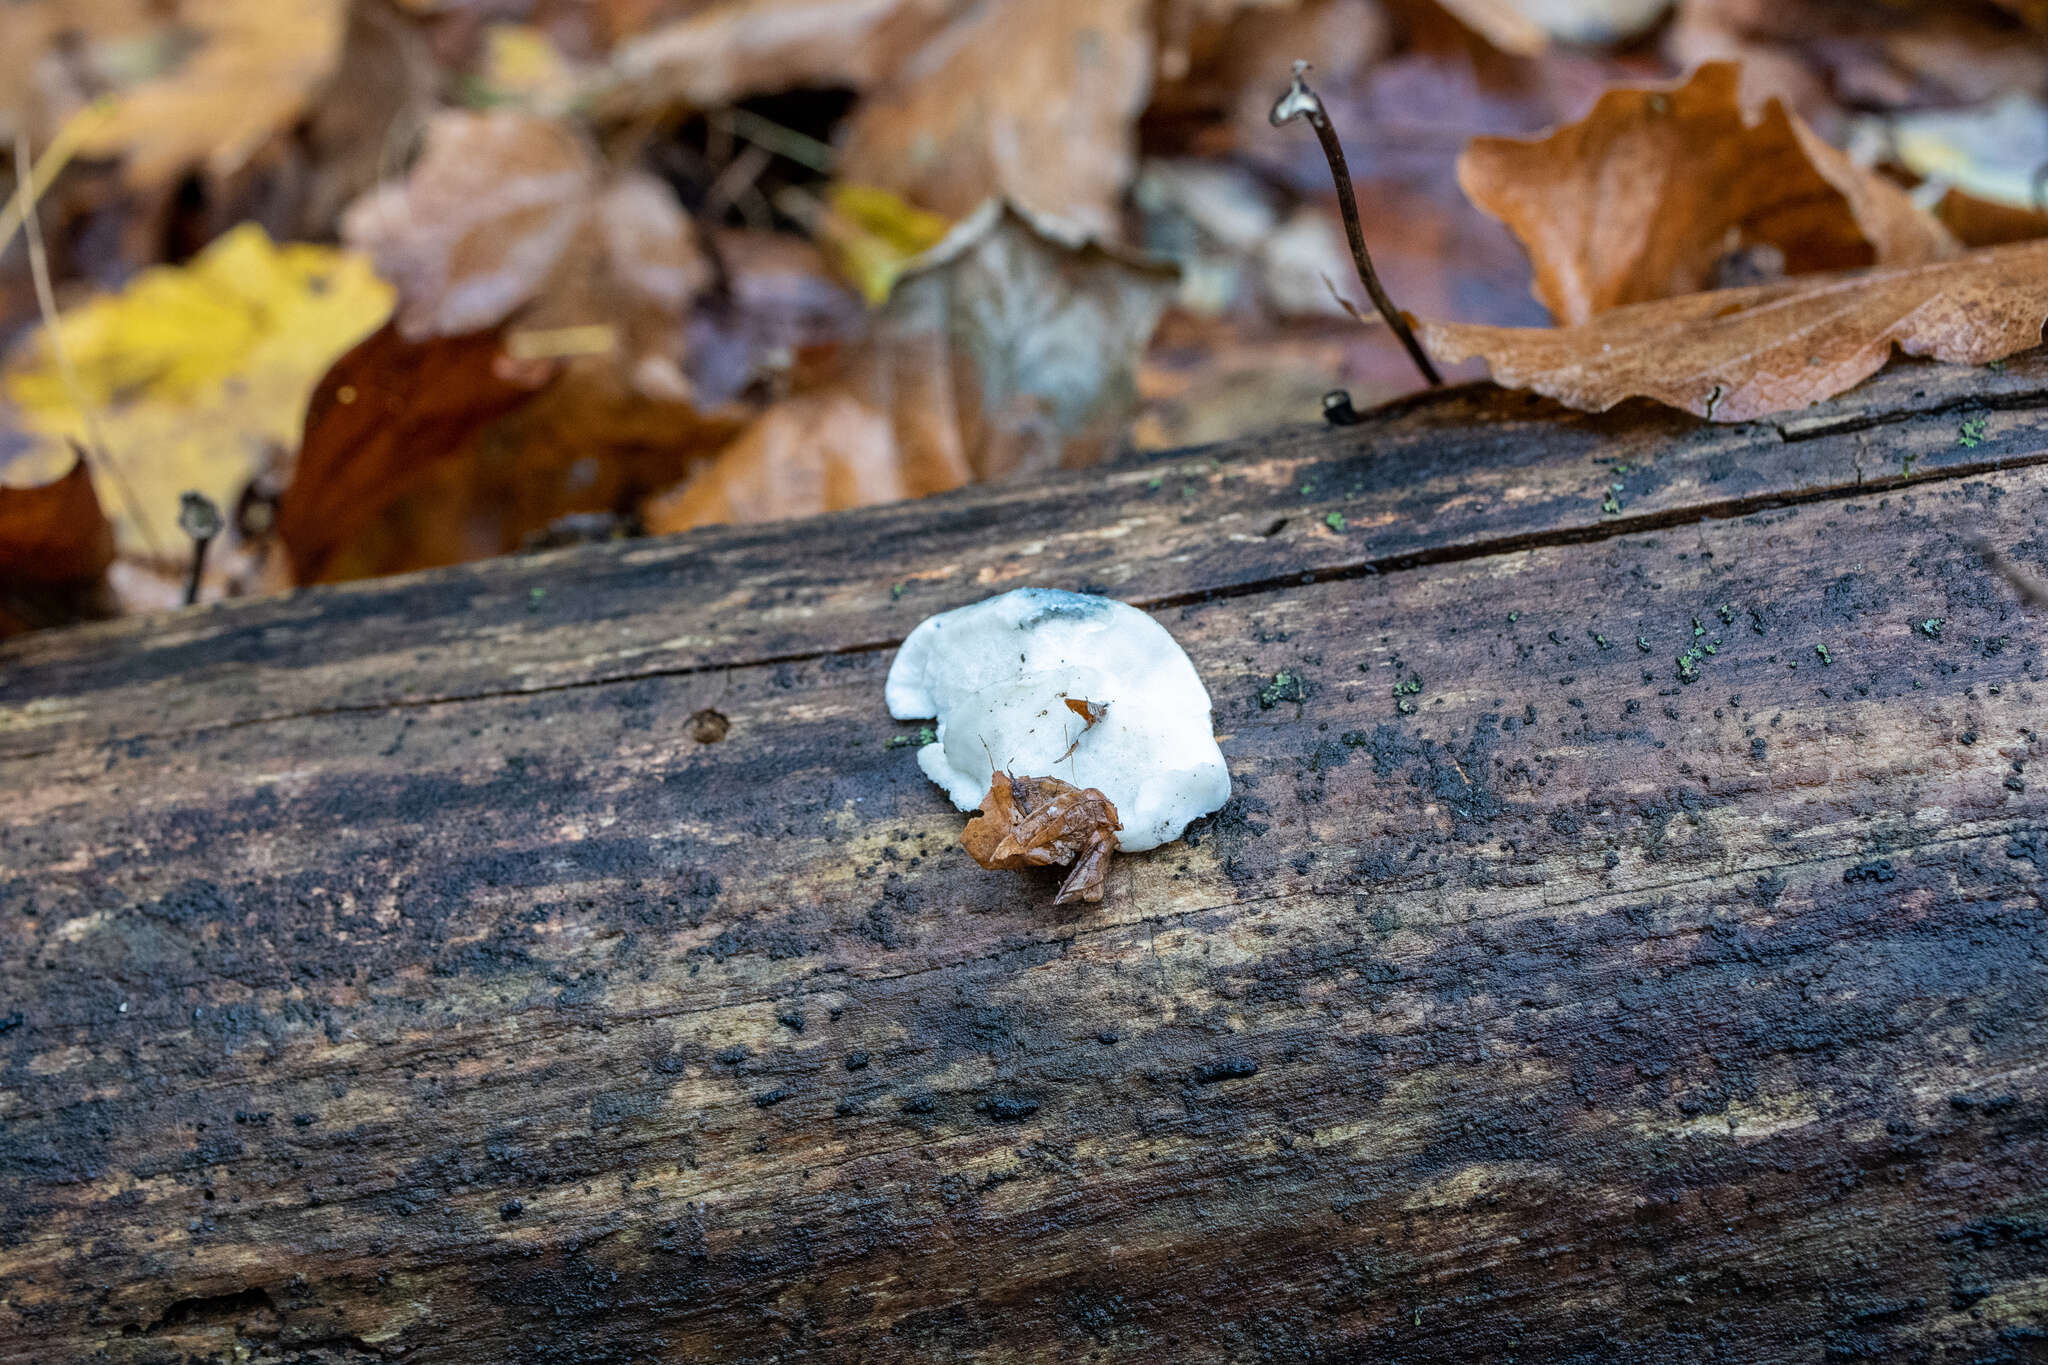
1932,627
1971,434
1335,521
1826,656
1285,686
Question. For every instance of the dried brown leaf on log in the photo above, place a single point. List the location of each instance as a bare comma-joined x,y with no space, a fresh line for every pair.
1036,102
1010,348
1640,199
1044,822
1733,355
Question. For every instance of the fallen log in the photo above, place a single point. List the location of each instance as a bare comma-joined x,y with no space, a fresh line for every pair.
1626,937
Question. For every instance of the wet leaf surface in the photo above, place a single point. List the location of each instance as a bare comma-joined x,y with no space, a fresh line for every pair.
386,415
1043,822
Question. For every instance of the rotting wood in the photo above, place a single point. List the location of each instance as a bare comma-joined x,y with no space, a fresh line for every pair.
1668,978
1465,472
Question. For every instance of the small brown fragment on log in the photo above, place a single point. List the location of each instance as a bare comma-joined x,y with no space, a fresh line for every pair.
1044,822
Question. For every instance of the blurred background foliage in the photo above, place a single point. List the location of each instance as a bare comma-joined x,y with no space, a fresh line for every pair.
400,283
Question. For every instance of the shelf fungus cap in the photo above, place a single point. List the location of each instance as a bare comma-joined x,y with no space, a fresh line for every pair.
1046,683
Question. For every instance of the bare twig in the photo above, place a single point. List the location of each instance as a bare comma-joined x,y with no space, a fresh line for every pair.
28,188
807,152
1300,102
2030,588
46,300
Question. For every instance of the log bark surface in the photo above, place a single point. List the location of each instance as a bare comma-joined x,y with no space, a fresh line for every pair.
393,972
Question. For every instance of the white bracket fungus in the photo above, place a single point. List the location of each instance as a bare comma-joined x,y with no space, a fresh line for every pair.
1058,684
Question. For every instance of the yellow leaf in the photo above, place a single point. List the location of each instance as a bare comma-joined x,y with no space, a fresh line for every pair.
251,67
196,375
870,234
521,66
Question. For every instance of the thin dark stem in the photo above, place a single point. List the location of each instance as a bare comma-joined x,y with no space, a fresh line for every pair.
199,519
192,574
1302,102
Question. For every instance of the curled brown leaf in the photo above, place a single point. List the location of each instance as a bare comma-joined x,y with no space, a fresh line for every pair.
1641,198
1044,822
1733,355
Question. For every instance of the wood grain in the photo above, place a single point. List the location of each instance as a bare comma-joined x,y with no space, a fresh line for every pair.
1626,999
1465,472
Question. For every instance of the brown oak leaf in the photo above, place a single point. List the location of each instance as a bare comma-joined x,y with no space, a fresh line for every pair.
388,412
1044,822
1011,348
1733,355
55,546
1036,102
1641,198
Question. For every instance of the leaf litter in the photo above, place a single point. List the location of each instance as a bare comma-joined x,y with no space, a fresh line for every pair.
669,264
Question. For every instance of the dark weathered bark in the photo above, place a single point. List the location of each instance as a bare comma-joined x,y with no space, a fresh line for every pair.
387,971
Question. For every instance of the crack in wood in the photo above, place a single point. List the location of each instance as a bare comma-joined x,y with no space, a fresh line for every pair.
1460,553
